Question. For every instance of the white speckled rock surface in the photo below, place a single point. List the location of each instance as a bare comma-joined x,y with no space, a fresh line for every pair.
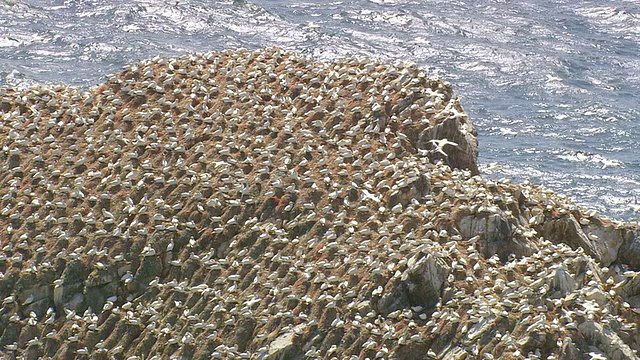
258,204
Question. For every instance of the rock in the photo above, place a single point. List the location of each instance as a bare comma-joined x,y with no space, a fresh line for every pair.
244,333
457,129
75,303
283,347
39,307
100,285
99,278
37,299
607,238
629,290
567,229
562,283
570,351
412,351
630,249
150,267
608,342
63,294
364,307
478,329
496,235
419,285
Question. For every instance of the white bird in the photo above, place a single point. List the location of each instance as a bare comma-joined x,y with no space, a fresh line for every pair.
610,163
508,132
367,195
553,78
423,152
440,143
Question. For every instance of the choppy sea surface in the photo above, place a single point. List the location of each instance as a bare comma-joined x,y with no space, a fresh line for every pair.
553,87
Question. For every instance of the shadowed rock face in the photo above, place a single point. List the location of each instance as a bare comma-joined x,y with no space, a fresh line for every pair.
258,204
496,235
419,286
458,129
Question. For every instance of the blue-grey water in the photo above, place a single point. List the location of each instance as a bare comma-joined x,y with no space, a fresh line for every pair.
553,87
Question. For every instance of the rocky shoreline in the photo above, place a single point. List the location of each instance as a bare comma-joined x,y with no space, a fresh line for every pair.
262,205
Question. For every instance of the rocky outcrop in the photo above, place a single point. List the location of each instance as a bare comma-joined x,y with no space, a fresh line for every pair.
259,204
495,235
598,239
283,347
457,128
629,290
605,340
418,287
562,283
629,252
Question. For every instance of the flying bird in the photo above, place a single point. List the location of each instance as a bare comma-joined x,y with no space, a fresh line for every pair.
440,143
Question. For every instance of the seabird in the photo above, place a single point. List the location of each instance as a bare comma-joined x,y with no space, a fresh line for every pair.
440,143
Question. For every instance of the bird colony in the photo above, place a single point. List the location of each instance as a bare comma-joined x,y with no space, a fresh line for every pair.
263,205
